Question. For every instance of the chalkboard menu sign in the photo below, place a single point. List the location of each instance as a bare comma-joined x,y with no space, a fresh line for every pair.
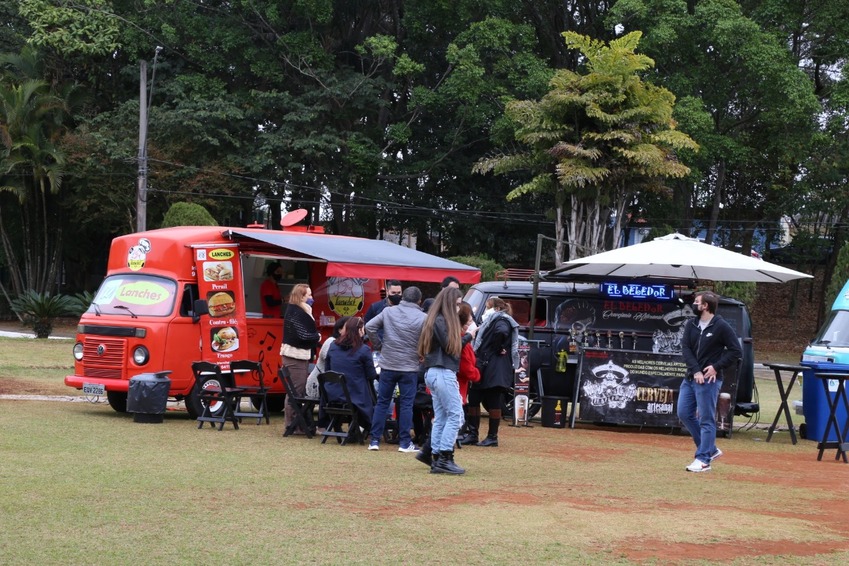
630,387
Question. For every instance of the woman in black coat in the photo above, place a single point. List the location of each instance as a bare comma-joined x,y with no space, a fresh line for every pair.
497,351
300,337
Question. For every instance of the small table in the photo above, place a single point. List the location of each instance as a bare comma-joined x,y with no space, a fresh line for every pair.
839,395
785,395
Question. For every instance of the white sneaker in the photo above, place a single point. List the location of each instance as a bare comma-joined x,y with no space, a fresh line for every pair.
717,454
698,466
374,445
408,449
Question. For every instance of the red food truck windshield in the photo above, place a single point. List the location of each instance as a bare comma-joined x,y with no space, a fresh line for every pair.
135,295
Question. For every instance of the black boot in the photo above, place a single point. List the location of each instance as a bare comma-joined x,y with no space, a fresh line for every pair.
434,462
446,464
473,421
424,455
492,436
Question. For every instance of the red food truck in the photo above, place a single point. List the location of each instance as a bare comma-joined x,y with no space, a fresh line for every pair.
146,315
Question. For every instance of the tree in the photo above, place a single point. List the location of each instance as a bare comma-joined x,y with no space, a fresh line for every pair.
840,276
742,98
33,119
594,141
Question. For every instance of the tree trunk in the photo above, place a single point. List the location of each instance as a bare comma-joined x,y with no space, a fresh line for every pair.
717,200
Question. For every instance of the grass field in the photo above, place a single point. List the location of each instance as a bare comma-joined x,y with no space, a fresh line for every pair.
81,484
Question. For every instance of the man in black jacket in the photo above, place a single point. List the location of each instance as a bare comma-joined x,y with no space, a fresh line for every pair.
709,347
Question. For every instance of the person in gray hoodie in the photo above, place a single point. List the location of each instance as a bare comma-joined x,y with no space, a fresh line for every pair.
395,334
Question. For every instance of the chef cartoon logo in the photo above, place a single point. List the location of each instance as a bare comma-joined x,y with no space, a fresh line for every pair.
138,254
345,295
612,387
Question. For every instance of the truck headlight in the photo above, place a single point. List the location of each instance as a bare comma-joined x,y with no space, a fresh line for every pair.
78,351
141,355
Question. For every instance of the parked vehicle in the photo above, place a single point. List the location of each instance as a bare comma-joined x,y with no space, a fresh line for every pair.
178,295
645,316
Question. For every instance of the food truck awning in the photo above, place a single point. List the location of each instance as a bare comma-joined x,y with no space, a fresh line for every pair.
359,257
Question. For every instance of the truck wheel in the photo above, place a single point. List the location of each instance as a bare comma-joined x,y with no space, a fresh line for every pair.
194,406
117,400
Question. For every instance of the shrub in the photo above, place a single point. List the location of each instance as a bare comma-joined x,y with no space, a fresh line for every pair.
80,302
187,214
488,266
39,310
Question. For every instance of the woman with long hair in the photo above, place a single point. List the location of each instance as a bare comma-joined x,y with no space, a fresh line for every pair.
440,345
349,356
300,337
497,350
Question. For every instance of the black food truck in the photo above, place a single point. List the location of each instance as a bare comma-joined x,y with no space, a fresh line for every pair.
619,326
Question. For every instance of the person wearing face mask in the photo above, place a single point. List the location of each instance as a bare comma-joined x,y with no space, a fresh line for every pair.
300,337
395,334
393,297
709,347
269,291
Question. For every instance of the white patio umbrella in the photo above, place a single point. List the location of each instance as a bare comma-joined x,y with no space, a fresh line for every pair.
677,257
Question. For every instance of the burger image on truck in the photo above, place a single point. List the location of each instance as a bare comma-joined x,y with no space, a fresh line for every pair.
221,304
175,296
225,339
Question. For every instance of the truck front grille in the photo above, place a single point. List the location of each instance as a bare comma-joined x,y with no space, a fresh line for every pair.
104,357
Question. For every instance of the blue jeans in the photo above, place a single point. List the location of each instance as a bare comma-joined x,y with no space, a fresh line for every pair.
406,382
697,410
447,408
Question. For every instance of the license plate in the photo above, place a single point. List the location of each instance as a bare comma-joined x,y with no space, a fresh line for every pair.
94,388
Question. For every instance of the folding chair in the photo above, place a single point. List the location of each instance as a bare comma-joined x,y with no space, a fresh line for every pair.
302,407
257,392
217,396
336,398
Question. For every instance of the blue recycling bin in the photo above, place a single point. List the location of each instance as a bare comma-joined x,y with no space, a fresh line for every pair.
815,403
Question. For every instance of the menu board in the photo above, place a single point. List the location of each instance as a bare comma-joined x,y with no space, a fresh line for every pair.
641,388
630,387
223,332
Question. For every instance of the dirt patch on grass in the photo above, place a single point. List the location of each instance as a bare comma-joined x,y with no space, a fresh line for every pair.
17,386
795,506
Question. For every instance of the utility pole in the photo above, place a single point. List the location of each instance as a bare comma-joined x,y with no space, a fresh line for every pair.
141,188
144,108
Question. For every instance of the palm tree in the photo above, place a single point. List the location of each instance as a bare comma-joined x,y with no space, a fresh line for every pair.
32,122
593,141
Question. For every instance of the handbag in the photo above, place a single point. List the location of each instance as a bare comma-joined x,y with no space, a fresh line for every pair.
481,362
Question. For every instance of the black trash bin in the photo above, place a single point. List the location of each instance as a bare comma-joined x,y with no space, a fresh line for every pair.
147,396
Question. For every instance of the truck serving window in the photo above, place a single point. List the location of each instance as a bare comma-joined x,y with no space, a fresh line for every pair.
134,295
